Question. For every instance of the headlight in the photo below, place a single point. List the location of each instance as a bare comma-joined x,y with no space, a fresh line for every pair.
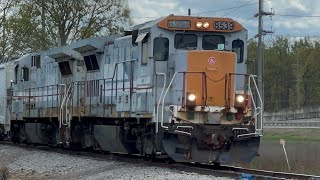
206,25
199,24
240,98
191,97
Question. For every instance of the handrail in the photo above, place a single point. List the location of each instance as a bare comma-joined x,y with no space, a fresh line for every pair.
164,96
70,89
61,105
174,75
249,134
260,112
164,85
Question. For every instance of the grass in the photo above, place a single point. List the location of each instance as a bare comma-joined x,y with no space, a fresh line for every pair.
4,173
302,147
291,134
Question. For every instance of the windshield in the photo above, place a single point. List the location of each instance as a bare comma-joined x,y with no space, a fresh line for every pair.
185,41
211,42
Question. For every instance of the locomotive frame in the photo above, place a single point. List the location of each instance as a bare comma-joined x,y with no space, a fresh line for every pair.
175,87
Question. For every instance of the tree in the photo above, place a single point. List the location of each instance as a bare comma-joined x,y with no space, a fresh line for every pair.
27,32
291,73
59,22
5,9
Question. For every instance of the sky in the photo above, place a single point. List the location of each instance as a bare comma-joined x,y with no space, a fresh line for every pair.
241,11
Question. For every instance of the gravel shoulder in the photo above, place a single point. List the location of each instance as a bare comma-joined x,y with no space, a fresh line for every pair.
36,164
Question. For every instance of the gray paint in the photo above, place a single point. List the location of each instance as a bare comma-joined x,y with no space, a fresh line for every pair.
110,50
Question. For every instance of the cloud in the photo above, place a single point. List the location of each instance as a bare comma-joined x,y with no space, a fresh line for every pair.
145,10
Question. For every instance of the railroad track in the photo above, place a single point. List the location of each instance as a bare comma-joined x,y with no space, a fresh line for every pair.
207,169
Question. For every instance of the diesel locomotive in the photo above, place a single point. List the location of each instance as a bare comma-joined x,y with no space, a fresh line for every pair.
176,87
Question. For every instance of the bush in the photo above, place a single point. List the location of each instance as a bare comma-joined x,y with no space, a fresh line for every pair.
4,173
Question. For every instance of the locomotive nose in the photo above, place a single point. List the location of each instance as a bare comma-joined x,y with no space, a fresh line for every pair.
208,81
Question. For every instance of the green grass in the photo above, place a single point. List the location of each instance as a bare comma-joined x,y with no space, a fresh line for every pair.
277,137
292,134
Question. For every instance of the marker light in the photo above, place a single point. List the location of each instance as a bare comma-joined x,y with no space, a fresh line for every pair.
192,97
240,98
206,25
199,24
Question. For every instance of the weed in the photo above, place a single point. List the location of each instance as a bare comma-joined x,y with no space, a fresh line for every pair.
4,173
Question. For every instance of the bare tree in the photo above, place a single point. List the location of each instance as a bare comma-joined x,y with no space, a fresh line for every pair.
68,20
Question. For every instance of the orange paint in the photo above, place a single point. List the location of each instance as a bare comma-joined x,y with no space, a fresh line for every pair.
164,23
216,65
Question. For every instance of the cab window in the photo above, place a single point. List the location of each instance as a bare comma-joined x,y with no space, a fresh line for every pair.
161,49
211,42
237,47
185,41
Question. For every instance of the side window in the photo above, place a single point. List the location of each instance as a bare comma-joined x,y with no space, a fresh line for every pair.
35,61
25,74
238,48
161,49
65,68
211,42
144,59
91,62
185,41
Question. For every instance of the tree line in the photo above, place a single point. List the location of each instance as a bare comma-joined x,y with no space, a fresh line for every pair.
291,72
33,25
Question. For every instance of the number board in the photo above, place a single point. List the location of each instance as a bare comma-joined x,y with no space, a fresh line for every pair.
182,24
222,25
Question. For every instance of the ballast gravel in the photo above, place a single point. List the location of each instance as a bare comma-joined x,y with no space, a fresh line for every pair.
36,164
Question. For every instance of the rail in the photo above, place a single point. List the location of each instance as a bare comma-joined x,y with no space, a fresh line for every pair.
257,110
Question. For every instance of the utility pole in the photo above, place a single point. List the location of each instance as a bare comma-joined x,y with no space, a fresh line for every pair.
260,63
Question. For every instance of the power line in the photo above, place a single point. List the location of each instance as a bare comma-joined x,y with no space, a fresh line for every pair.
235,7
246,4
211,11
248,20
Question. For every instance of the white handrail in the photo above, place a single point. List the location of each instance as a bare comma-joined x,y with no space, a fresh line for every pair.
61,106
164,85
67,101
164,96
256,113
